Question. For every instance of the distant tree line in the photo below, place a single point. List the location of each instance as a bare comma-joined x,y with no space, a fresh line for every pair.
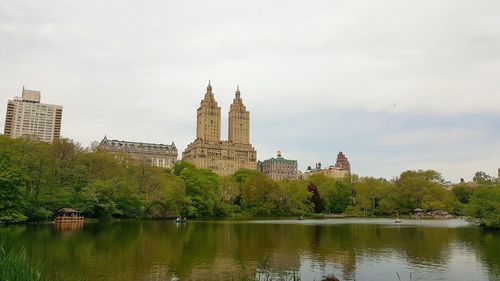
37,179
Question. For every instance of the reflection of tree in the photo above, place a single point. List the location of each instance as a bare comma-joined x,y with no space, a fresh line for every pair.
426,245
487,246
160,250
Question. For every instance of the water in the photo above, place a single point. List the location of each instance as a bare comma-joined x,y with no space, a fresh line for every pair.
352,249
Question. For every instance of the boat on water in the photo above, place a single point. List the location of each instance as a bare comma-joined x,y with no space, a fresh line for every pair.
398,220
180,220
301,218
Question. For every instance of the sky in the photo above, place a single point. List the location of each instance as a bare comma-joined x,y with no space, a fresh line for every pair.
394,84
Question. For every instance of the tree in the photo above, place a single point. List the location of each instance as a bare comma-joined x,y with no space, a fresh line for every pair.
12,196
243,175
369,191
293,198
463,193
336,195
202,186
483,179
427,175
389,202
411,187
230,189
98,199
485,206
174,198
260,196
315,198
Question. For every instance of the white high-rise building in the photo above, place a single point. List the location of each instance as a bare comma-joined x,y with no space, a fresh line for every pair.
26,116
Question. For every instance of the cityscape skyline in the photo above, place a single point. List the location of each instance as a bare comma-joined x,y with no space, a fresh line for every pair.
224,126
419,94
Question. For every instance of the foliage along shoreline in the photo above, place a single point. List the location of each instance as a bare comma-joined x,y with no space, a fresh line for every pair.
37,179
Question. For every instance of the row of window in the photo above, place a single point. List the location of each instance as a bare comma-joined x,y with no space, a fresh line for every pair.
161,162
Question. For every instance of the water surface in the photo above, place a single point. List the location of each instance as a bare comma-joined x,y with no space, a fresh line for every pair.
360,249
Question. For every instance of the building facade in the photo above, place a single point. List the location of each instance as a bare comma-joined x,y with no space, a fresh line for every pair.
279,168
208,151
26,116
341,169
160,155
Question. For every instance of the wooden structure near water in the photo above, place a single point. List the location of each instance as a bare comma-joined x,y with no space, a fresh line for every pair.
68,216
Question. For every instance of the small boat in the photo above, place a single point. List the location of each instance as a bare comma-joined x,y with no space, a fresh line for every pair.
301,218
179,220
398,220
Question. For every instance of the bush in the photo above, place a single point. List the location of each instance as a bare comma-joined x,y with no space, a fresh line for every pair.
485,207
38,214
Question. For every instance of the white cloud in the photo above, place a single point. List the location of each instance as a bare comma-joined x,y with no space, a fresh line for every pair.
137,70
432,136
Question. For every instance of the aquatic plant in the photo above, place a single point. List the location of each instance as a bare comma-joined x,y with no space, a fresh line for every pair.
14,266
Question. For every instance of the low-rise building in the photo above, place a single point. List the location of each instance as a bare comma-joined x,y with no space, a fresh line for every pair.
160,155
279,168
341,169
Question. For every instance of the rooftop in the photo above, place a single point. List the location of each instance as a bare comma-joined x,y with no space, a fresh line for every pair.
107,142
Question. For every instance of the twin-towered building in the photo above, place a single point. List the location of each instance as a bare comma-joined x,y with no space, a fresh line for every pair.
224,157
209,151
26,116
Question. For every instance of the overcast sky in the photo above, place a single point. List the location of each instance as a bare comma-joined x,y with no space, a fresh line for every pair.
394,84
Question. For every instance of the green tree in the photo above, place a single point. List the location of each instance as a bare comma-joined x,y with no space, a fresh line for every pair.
243,175
174,199
485,206
412,187
260,196
230,189
202,186
337,195
294,198
369,192
389,202
12,196
482,178
463,193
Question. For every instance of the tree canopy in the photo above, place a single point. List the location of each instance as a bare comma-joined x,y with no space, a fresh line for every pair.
37,179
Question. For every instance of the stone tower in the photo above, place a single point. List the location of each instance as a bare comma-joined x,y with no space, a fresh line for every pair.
239,121
208,118
208,151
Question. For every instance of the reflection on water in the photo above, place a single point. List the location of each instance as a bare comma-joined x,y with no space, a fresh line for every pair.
69,226
351,249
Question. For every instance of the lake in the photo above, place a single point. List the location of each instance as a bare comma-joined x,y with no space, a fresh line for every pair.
352,249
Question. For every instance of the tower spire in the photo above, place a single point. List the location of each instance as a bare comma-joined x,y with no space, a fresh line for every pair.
208,117
209,94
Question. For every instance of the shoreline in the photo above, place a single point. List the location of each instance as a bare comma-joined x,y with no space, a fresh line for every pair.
280,218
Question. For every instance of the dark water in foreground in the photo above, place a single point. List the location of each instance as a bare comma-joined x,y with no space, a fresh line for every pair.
360,249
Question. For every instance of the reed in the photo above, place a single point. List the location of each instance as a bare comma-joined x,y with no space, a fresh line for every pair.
263,274
14,266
